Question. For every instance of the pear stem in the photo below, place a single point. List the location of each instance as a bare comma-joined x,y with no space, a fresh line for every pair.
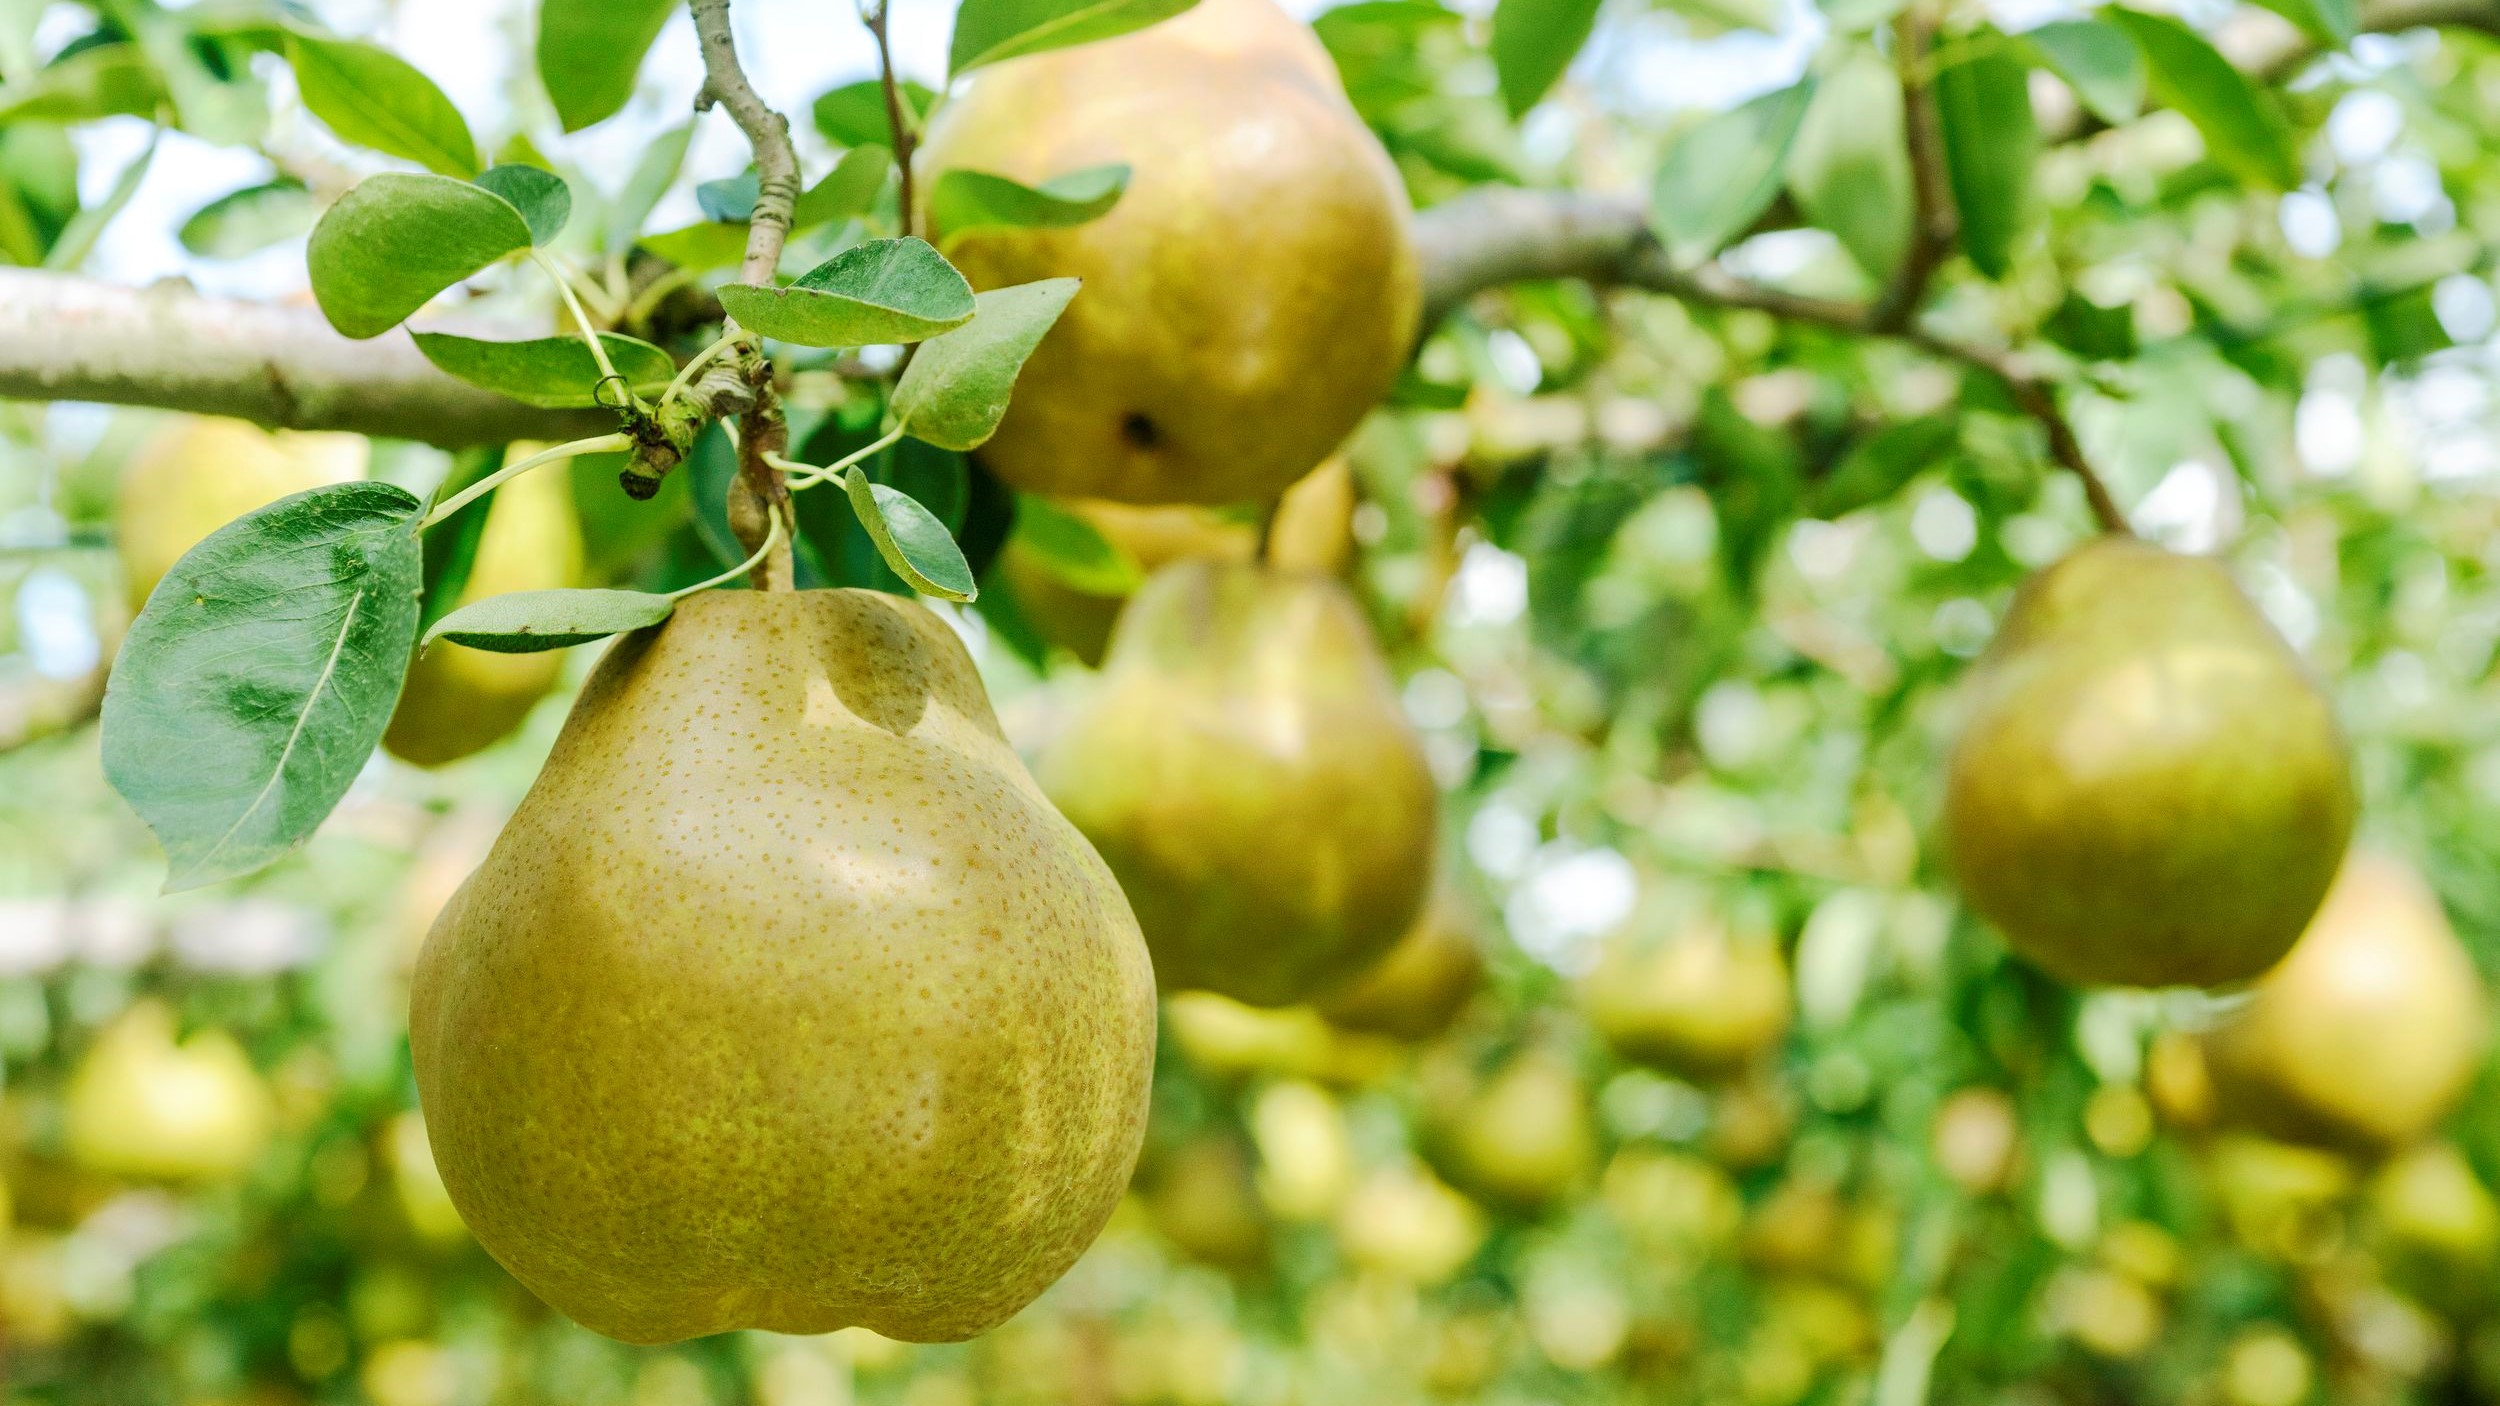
596,444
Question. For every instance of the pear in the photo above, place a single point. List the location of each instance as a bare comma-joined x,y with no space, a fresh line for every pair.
2149,788
1079,620
1415,991
2369,1032
1202,1199
785,1000
1252,294
142,1105
1701,1004
1404,1222
1244,768
200,473
1313,528
1524,1138
459,700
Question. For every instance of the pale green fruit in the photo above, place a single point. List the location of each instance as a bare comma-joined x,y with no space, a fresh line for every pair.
1252,294
1245,770
458,700
1415,991
1701,1003
1525,1136
785,1000
2149,789
203,471
142,1105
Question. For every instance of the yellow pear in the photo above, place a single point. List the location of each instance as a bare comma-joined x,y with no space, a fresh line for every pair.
785,1001
142,1105
1404,1222
2369,1032
2149,788
1525,1137
1246,771
1202,1199
459,700
1701,1003
1415,991
1079,620
1252,294
1313,529
200,473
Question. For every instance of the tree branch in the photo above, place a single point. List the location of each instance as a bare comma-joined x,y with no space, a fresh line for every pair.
1933,220
905,134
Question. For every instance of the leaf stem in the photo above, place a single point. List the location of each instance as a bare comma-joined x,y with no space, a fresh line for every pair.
808,475
772,539
596,444
581,319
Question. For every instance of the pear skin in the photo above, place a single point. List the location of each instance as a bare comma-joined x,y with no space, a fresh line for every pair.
1244,768
1252,294
785,1001
2149,788
2367,1035
204,471
458,701
1415,991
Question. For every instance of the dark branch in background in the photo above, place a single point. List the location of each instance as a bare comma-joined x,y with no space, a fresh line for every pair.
1932,217
759,493
904,129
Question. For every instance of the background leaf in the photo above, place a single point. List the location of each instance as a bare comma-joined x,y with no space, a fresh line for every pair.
965,201
989,30
542,197
955,391
887,290
261,674
450,546
556,372
1991,143
250,220
373,98
1720,176
1850,167
848,189
652,177
854,114
532,622
1073,549
2098,61
395,240
1534,42
2242,132
589,52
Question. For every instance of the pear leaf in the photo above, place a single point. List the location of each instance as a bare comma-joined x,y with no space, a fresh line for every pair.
915,545
2098,61
1991,143
731,199
1720,176
965,200
705,244
397,239
530,622
260,675
1533,42
854,114
1850,167
847,190
887,290
542,197
589,52
652,177
955,391
373,98
989,30
555,372
249,220
2243,132
1073,549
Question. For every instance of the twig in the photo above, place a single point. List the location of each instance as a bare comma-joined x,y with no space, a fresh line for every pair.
873,13
1932,219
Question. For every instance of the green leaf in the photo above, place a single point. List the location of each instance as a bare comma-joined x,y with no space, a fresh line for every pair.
2098,61
1991,143
731,199
699,246
989,30
250,220
887,290
103,80
1877,466
590,50
854,114
2243,134
555,372
450,545
955,391
1533,42
531,622
397,239
1073,550
1708,19
1720,176
1850,168
966,201
847,190
371,97
652,177
2330,22
911,539
260,675
542,197
77,238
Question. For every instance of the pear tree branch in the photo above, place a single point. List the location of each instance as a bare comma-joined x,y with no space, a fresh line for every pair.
875,15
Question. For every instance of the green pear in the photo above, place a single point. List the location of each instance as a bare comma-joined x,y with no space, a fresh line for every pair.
1244,768
1415,991
785,1000
1252,294
2149,788
1701,1003
143,1105
1524,1136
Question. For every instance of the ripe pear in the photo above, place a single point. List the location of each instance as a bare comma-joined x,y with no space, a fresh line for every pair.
1245,769
1701,1003
785,1000
1079,620
458,701
1525,1137
1313,529
2370,1031
141,1105
1415,991
1252,294
200,473
2149,788
1202,1199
